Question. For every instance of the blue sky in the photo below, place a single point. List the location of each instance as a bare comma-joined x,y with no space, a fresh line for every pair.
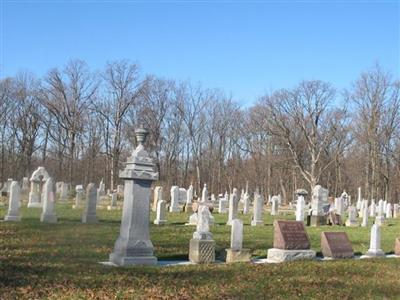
243,48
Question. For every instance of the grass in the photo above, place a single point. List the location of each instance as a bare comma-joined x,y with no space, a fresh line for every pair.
60,261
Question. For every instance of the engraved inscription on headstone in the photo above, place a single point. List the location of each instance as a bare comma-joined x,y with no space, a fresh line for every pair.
290,235
336,245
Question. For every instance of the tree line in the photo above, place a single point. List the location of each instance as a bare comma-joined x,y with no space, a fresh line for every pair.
79,124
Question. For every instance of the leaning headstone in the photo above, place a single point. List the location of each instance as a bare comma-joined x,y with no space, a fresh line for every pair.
14,203
352,219
258,209
38,178
319,200
291,242
48,213
233,207
157,197
161,213
78,196
336,245
113,204
174,199
133,246
236,253
202,246
375,243
300,208
89,215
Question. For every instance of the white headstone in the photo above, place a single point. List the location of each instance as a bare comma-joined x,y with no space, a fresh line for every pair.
204,194
380,218
388,211
38,178
79,196
25,184
182,195
359,200
395,210
339,206
174,199
246,203
375,243
113,204
258,209
372,209
89,215
275,206
14,203
64,192
48,213
157,196
319,200
300,208
161,213
233,206
120,188
237,234
189,195
203,224
222,205
365,214
352,219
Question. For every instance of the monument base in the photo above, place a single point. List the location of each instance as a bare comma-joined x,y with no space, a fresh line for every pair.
281,255
351,223
12,218
35,205
233,256
48,218
374,253
318,220
160,222
257,223
132,260
89,219
111,207
201,251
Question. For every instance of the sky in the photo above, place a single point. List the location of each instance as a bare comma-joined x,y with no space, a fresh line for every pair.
245,48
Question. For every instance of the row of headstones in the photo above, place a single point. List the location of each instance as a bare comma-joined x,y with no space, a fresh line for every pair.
48,207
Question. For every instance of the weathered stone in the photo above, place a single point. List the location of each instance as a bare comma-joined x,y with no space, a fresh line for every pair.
352,220
133,246
275,206
319,200
161,213
380,218
48,213
202,251
388,212
300,208
290,235
38,178
157,197
281,255
78,196
397,247
246,203
174,207
182,195
236,253
25,184
359,200
395,210
336,245
113,204
233,256
89,215
375,243
365,214
14,203
233,207
372,209
64,192
258,209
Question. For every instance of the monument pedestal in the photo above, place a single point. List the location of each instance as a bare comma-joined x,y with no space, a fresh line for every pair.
12,218
160,222
233,256
202,251
281,255
48,218
318,220
374,253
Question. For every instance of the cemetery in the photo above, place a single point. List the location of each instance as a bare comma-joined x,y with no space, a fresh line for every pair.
79,247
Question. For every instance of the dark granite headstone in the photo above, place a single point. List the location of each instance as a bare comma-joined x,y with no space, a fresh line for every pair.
290,235
336,245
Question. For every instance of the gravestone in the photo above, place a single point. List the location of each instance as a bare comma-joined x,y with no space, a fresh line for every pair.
291,242
336,245
380,218
395,210
389,211
236,253
174,199
202,246
246,203
102,189
319,200
89,214
133,246
300,208
113,204
189,199
339,206
222,205
161,213
372,209
78,196
25,184
48,213
352,219
157,197
14,203
38,178
375,243
275,205
358,205
365,214
258,209
182,195
233,207
64,192
120,189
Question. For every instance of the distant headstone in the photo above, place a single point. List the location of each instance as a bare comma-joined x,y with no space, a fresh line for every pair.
336,245
222,205
380,218
258,209
64,192
182,195
352,220
359,200
319,201
89,215
78,196
174,199
157,196
233,206
372,209
14,203
300,205
48,213
189,199
275,206
365,214
38,178
25,184
120,189
246,203
161,213
236,253
113,204
388,211
395,210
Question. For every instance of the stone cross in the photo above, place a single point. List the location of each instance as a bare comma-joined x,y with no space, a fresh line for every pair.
174,199
89,214
258,209
233,206
48,213
133,246
161,213
14,203
300,208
